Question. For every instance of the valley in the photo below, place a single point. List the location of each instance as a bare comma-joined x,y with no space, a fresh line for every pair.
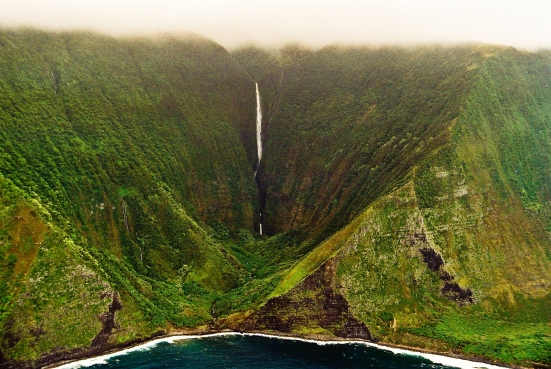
153,185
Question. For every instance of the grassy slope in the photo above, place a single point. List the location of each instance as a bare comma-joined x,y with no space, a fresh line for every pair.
353,122
349,126
412,148
481,202
114,153
495,236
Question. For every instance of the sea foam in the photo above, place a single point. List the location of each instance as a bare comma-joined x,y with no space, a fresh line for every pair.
437,359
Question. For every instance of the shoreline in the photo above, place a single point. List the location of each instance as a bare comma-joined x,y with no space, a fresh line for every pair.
458,361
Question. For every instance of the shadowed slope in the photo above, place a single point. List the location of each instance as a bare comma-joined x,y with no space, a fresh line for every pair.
351,123
115,154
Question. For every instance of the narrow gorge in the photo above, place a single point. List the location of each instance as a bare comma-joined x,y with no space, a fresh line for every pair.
400,194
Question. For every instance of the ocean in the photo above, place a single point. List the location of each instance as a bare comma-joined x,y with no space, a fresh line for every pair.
261,351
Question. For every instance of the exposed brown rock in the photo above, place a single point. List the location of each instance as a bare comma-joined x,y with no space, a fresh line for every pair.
451,290
108,321
313,303
433,259
455,293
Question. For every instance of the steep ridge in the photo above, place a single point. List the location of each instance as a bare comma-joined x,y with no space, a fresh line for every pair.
353,122
458,258
407,195
115,155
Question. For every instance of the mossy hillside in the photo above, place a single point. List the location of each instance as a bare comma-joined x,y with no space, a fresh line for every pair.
353,122
126,166
468,201
110,132
471,203
46,283
55,286
389,286
114,107
495,176
379,266
114,153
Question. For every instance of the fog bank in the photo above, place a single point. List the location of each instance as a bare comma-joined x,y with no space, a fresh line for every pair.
523,24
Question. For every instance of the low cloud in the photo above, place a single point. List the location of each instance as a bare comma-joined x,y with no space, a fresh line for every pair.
521,24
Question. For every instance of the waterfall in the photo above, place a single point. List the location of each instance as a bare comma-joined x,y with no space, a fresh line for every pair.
258,140
258,127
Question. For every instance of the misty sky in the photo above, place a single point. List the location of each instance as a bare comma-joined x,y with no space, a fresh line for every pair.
519,23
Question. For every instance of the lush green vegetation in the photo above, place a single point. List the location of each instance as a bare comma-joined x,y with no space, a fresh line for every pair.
121,150
126,166
354,122
477,334
478,199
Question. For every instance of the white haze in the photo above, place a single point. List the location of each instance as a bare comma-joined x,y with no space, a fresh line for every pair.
519,23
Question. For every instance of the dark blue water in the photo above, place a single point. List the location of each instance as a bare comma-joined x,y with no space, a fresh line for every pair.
261,352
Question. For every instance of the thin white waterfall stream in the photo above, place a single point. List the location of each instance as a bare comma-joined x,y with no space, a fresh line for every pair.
258,139
258,126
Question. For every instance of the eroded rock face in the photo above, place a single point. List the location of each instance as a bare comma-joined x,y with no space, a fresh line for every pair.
454,292
99,343
107,319
313,306
433,259
451,289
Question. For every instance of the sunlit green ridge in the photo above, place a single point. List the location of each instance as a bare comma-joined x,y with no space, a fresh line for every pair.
405,193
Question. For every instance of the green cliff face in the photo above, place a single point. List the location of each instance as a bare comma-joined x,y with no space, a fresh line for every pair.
406,194
353,123
454,252
115,155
